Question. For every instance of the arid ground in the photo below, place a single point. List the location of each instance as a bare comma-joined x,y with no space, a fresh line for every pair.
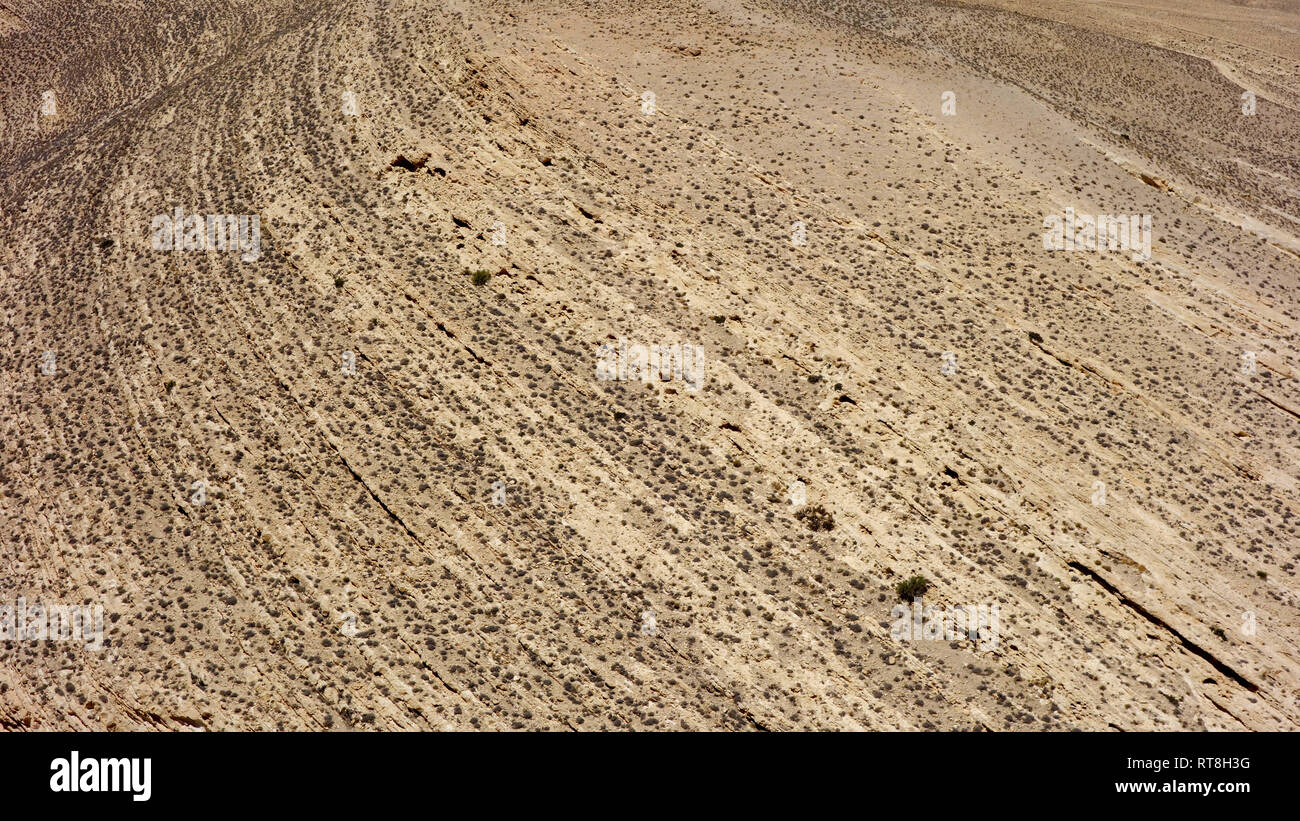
372,478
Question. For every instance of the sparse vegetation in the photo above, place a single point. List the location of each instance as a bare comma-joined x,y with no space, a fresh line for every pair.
349,567
912,587
815,517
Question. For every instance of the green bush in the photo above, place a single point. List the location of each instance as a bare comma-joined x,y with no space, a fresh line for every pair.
912,588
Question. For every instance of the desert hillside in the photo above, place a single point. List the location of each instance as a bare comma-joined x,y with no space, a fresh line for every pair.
374,469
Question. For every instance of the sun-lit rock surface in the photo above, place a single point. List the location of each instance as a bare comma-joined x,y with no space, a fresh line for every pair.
345,482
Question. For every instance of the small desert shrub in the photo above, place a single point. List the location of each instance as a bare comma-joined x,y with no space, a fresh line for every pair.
338,281
816,517
912,588
171,383
481,277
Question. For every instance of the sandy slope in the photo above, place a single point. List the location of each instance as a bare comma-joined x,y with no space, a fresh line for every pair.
370,496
